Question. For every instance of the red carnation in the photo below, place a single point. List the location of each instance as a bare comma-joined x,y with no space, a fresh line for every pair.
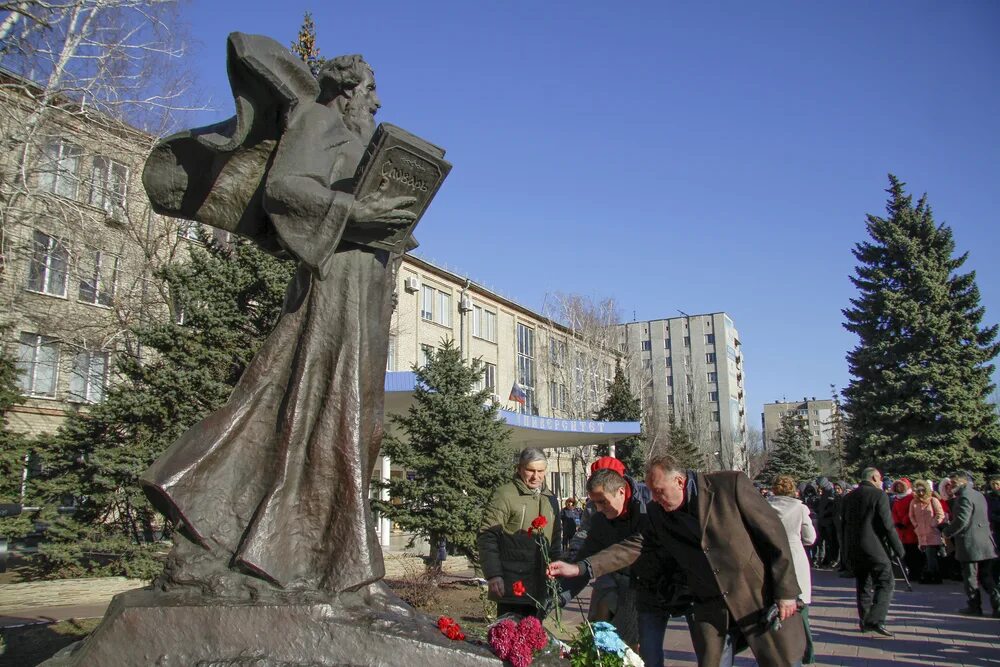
533,633
519,588
450,628
444,622
539,522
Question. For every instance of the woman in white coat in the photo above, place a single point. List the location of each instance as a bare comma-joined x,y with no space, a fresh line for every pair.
801,533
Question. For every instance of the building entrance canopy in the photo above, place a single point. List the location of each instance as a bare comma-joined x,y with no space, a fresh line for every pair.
528,430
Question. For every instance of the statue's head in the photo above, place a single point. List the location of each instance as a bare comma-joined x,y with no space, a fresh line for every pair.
347,83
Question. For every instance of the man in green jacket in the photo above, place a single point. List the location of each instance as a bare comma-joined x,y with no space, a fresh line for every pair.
509,549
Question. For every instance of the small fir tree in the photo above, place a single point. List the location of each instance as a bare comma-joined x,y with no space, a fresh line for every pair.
917,403
621,405
230,296
683,447
791,452
454,449
305,46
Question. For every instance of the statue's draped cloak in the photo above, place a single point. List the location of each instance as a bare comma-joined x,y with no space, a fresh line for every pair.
275,483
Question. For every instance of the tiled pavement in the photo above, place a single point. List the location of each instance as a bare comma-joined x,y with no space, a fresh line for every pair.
928,631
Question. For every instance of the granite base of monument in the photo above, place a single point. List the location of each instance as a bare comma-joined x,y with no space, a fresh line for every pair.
147,627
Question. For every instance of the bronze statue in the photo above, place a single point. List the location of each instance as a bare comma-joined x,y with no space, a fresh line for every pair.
273,487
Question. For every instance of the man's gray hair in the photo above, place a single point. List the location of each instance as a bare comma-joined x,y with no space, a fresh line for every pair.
665,462
868,473
530,455
606,479
966,475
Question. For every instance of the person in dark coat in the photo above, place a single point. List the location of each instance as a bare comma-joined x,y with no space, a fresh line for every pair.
969,528
733,550
826,508
993,505
869,537
569,517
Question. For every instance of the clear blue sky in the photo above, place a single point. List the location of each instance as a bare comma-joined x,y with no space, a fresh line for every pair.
678,155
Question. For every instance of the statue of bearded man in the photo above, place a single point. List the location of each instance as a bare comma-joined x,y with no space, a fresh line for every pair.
272,489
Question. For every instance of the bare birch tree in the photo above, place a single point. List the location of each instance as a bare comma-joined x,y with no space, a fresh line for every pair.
87,86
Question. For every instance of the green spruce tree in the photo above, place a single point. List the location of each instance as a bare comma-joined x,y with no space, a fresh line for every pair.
15,449
455,450
791,452
918,399
621,405
682,446
227,298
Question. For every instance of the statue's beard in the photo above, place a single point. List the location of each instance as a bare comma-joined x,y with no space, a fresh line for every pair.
359,120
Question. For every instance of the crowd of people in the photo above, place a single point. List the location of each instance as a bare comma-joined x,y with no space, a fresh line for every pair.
732,559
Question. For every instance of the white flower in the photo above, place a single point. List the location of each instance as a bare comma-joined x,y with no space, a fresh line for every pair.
633,660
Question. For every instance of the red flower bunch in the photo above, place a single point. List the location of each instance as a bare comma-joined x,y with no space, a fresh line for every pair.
519,588
518,642
539,522
450,629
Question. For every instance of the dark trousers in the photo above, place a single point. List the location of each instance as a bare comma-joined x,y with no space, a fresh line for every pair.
519,609
914,561
976,574
875,584
932,570
652,631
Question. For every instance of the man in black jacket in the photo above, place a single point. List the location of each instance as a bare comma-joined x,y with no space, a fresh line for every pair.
868,537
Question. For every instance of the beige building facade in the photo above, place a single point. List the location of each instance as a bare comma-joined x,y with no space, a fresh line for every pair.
817,414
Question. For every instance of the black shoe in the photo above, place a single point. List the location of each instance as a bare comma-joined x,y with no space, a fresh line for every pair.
971,611
879,629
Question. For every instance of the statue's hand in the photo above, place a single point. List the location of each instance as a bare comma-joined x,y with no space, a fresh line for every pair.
376,208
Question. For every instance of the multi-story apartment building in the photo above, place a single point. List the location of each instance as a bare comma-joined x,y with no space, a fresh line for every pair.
817,415
691,368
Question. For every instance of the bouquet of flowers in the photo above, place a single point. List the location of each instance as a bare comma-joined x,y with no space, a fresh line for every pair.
450,629
598,645
517,642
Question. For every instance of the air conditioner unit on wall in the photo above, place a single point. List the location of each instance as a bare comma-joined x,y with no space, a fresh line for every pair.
466,305
411,284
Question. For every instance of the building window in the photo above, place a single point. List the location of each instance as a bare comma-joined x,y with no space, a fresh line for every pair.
713,377
426,352
490,377
435,305
47,272
715,416
709,339
390,360
526,366
89,377
687,341
37,365
710,358
484,324
98,278
647,345
713,396
108,183
427,302
557,352
670,380
444,308
61,169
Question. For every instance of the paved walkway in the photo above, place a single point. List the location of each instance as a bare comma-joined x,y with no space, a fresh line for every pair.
928,631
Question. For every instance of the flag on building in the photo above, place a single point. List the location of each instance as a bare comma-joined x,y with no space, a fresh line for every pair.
517,394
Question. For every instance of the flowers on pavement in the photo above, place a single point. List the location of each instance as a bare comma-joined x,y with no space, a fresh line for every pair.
450,629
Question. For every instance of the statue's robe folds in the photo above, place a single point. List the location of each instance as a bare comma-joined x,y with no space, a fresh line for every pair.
275,483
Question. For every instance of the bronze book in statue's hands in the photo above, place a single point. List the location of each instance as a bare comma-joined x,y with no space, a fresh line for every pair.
398,164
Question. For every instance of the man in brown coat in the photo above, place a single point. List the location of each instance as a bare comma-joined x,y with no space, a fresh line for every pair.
735,553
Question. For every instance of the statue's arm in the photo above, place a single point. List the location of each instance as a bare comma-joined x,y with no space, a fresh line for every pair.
309,217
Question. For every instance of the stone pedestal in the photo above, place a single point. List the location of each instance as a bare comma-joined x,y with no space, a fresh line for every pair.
146,627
